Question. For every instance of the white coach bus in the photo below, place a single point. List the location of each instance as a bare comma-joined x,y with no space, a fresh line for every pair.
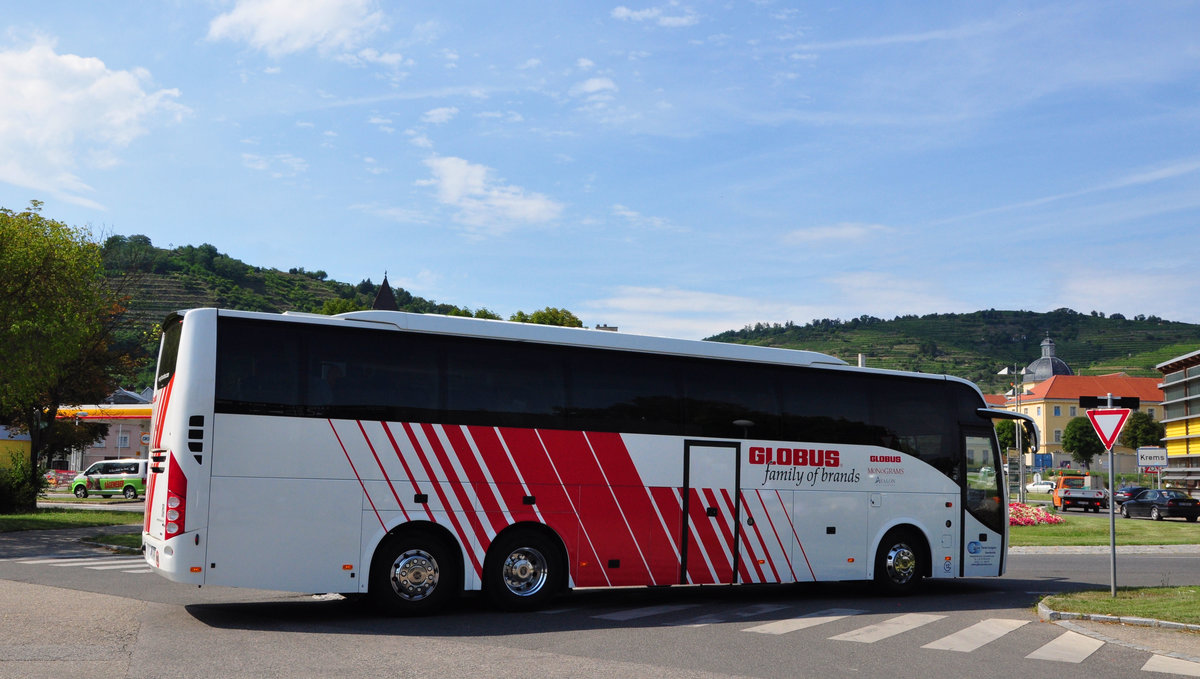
412,457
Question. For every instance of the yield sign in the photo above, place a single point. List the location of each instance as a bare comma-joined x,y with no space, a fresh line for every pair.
1108,424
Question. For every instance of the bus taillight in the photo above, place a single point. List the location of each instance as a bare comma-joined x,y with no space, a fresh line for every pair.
176,500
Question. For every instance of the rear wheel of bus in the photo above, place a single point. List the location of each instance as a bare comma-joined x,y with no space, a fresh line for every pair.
414,572
524,570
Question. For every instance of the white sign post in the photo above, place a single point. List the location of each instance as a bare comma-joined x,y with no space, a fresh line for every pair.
1108,423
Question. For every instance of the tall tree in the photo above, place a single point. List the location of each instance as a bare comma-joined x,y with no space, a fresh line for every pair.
1080,440
56,322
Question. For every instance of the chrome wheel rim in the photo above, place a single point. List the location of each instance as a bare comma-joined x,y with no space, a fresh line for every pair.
525,571
414,575
901,563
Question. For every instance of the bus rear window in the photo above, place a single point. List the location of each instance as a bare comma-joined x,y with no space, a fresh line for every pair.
172,330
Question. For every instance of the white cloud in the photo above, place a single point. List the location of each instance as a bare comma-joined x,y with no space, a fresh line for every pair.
282,27
279,166
637,219
64,112
439,116
486,205
530,63
584,64
845,231
656,15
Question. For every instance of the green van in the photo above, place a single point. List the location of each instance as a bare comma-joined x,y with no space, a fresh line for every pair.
110,477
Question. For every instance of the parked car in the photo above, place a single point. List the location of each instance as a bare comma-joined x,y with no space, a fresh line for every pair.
1160,504
1127,493
123,477
1040,487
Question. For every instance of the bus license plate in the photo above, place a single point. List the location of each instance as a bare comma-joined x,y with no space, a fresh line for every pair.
152,555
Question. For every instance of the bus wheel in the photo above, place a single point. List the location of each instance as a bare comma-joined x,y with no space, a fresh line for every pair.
130,493
80,491
413,573
898,563
523,570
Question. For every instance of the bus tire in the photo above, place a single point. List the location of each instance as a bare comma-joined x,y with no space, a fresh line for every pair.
900,562
524,570
414,572
80,491
130,493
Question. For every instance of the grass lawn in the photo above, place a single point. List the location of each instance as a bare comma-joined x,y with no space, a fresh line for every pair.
1177,604
48,519
1079,528
131,540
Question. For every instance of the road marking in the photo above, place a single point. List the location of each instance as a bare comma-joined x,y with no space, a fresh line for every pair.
888,628
1162,663
1071,647
979,634
803,621
635,613
78,561
115,566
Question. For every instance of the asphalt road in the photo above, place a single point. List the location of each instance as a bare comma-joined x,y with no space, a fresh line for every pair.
61,617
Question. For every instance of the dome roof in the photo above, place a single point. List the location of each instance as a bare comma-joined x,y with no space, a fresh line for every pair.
1047,366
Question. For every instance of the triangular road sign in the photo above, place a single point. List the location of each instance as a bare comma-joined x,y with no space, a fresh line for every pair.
1108,424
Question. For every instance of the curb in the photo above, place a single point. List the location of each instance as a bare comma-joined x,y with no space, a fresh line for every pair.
1047,614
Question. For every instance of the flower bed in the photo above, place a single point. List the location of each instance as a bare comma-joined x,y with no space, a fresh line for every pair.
1025,515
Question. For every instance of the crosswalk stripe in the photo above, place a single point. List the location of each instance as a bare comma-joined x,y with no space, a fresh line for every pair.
112,566
1071,647
803,621
979,634
888,628
1168,665
78,561
635,613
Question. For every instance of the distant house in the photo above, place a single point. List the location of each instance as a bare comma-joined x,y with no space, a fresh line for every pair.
12,443
1050,391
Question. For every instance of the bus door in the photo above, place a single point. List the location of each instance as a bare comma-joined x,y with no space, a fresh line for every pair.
711,510
985,513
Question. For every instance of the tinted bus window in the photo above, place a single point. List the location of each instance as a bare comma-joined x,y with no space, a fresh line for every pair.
172,331
720,393
625,392
513,384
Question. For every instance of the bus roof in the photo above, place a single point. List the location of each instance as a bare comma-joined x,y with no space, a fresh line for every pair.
547,334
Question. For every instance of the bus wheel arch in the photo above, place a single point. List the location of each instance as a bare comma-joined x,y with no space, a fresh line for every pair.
902,559
525,567
416,570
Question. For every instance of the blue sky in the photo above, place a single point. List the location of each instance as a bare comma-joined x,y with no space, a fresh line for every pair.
673,168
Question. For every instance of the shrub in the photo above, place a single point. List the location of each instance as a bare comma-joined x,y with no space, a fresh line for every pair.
19,492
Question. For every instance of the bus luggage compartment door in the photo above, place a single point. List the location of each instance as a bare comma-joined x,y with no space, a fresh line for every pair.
711,510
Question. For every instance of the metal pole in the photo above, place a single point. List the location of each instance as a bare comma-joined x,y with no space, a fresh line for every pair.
1112,520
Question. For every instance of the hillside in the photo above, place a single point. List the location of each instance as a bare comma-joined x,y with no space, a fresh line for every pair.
978,345
974,346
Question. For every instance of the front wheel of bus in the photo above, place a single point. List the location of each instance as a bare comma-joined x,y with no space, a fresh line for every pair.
899,563
523,571
413,573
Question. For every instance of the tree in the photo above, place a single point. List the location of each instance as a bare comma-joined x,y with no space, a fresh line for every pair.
1141,430
338,305
1080,440
1006,433
56,323
548,316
